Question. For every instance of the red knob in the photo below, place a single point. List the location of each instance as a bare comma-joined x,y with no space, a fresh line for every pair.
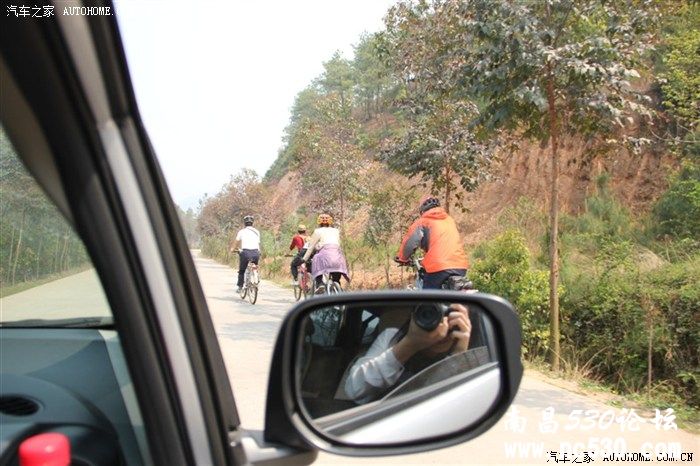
50,449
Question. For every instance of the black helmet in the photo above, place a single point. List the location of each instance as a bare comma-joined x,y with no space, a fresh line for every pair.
427,203
248,220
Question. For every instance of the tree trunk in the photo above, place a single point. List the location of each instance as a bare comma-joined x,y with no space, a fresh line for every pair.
62,260
448,186
342,210
650,342
38,258
9,259
387,267
650,350
555,353
57,255
19,245
68,258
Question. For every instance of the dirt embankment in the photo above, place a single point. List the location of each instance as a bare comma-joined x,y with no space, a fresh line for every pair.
635,180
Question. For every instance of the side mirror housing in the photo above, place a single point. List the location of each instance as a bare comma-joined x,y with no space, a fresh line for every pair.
392,372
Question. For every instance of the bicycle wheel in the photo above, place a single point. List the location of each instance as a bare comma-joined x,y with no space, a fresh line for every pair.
246,281
334,288
297,292
307,285
304,281
253,294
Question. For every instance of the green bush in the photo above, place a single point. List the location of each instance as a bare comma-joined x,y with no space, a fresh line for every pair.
216,247
504,269
674,291
679,77
603,219
677,212
612,307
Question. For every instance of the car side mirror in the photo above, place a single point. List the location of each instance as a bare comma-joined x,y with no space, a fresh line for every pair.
392,372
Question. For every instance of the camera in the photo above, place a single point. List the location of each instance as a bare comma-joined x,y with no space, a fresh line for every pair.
429,315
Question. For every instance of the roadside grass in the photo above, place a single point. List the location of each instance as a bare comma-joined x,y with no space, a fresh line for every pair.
364,277
23,286
660,396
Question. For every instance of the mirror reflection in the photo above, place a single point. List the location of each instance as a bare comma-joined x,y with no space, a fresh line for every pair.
409,370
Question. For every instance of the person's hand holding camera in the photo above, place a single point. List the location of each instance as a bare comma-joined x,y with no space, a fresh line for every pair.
461,327
451,334
417,339
457,340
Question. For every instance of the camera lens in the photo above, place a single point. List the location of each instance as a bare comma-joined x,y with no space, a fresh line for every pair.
428,316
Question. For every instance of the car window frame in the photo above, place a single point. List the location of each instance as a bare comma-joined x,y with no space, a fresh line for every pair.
89,186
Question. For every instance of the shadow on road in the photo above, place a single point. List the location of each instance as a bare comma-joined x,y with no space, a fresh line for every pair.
281,302
256,331
273,308
285,303
201,265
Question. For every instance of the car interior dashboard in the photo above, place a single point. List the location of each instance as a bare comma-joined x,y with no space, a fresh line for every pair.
71,381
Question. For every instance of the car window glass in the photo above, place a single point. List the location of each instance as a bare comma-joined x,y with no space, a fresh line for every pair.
46,276
369,325
326,324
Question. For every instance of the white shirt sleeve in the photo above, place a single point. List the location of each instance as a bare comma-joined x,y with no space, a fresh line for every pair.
377,370
238,235
312,244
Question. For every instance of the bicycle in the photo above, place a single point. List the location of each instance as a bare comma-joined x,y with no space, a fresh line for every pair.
455,283
415,263
303,286
251,280
329,286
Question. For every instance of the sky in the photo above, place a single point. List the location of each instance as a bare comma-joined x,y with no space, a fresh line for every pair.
215,80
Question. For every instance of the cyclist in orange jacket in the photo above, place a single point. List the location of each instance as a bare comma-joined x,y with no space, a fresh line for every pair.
435,232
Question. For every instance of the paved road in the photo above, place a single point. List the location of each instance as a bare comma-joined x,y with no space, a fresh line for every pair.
247,333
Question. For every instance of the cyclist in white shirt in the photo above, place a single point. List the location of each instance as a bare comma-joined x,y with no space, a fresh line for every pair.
324,246
248,242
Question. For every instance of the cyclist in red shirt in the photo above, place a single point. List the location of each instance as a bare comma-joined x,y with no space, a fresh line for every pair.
299,242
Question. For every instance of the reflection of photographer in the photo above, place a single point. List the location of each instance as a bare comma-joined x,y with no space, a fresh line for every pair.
433,332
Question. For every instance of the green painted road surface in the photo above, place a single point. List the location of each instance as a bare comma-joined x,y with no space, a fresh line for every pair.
78,295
